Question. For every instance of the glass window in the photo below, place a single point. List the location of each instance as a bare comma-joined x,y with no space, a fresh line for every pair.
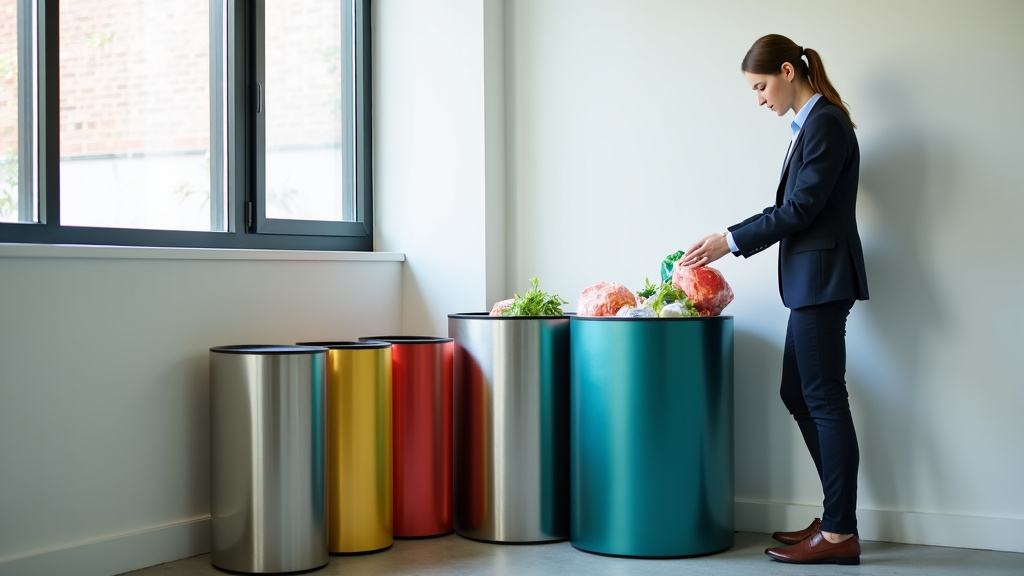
307,113
135,114
17,86
193,123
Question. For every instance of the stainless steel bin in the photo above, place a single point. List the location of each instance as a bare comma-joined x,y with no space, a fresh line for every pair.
267,411
511,427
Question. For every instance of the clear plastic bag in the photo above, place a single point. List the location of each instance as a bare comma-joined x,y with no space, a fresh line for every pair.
632,312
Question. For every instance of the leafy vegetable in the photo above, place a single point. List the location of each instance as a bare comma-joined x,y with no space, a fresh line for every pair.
649,289
535,303
666,293
668,263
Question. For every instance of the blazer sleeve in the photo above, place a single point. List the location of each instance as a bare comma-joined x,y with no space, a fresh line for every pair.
824,148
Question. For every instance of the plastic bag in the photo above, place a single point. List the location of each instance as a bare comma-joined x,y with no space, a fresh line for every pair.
668,264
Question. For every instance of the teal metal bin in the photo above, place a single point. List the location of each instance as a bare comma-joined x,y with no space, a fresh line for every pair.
651,449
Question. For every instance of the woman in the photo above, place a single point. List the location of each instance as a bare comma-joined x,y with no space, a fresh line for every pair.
821,274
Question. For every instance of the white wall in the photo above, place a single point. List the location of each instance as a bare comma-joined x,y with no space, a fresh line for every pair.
629,132
439,154
104,386
632,133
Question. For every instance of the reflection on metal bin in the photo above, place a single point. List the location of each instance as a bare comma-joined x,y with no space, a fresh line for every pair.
652,435
511,427
267,458
421,398
359,493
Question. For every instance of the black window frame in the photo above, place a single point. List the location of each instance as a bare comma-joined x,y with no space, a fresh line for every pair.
247,225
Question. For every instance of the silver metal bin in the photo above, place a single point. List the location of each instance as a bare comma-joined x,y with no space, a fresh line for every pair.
267,411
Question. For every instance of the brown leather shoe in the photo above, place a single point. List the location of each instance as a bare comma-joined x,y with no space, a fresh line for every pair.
818,550
798,536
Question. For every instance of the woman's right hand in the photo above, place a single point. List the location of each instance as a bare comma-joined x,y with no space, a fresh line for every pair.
705,251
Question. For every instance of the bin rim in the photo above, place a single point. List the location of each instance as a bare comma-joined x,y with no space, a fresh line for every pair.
348,345
407,339
265,349
487,316
650,318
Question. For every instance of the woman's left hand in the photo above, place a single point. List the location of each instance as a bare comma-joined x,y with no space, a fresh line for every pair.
705,251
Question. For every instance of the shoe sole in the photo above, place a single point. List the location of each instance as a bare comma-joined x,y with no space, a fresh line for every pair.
841,561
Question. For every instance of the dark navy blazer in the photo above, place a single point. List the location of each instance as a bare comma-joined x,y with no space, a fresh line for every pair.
814,216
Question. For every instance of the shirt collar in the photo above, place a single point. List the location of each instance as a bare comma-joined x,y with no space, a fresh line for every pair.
798,120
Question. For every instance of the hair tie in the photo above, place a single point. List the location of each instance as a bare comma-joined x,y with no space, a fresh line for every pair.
803,52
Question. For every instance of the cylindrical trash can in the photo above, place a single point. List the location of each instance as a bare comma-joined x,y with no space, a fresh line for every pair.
421,397
359,494
511,427
652,435
267,458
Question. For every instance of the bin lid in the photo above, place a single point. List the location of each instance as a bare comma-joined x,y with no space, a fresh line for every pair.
408,339
651,318
487,316
348,345
267,349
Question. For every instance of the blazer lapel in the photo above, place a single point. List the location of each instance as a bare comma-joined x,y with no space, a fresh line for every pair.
785,168
791,152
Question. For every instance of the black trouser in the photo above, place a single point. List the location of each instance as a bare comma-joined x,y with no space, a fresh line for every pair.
814,391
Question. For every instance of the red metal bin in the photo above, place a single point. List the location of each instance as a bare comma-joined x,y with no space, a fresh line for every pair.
422,434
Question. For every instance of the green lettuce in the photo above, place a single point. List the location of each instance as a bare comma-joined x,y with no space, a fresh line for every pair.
535,303
666,293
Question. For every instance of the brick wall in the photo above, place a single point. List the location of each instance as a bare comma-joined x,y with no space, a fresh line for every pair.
305,111
8,78
135,75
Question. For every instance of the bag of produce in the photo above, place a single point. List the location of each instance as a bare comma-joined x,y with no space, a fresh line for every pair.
604,299
705,287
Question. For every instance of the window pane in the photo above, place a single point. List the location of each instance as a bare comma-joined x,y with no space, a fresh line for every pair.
15,204
135,114
308,115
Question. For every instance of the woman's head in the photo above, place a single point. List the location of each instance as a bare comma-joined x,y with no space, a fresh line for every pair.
775,57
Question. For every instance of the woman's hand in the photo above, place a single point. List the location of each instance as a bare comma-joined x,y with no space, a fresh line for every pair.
705,251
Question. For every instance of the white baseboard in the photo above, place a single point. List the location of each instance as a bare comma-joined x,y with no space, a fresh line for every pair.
137,550
976,532
117,554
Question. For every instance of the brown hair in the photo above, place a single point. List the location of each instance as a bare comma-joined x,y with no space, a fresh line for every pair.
770,52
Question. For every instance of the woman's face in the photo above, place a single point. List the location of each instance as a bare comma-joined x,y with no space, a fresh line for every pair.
773,90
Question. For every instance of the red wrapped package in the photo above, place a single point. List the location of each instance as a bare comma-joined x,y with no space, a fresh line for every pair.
705,287
500,306
604,299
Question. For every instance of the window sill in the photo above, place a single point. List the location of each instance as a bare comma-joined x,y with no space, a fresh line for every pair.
156,253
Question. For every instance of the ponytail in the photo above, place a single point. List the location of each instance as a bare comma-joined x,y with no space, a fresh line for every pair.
819,81
770,52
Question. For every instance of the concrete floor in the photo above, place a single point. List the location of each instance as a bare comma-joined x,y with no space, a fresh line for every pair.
453,555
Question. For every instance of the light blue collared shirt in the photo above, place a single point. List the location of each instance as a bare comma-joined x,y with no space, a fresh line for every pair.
798,123
794,128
